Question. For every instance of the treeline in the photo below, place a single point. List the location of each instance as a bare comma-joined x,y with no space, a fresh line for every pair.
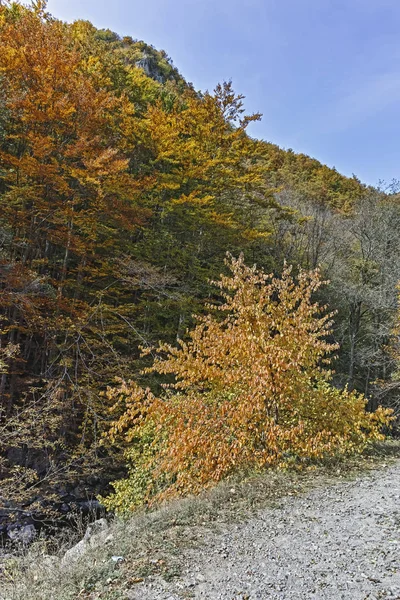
121,190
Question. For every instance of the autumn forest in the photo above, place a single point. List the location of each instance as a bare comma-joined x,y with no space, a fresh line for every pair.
139,344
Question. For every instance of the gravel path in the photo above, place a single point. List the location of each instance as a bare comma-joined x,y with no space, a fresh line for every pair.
337,542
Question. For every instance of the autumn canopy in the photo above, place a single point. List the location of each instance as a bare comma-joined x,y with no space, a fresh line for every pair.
121,190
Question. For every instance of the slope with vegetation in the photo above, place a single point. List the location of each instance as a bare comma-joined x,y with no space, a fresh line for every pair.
121,190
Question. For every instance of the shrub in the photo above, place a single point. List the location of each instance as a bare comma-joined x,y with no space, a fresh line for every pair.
251,389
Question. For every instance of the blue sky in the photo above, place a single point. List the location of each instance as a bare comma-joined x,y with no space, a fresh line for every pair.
324,73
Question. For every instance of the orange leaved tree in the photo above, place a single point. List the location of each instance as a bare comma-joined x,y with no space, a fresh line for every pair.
250,388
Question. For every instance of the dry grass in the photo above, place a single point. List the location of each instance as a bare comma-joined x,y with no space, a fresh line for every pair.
152,542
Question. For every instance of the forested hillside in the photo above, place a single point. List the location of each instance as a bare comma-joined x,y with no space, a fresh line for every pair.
121,191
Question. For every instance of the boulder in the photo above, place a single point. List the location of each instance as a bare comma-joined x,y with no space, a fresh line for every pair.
96,534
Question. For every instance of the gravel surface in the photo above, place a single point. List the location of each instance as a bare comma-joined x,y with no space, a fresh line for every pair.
336,542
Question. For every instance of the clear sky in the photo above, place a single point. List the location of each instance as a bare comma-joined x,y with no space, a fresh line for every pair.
324,73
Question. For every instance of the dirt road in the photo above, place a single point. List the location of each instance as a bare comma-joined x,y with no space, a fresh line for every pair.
336,542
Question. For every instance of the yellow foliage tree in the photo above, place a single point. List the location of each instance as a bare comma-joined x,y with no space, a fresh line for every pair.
250,390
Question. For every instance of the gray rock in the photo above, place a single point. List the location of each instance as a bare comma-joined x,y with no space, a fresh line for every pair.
96,534
22,535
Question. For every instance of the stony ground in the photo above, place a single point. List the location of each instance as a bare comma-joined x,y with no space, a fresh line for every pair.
336,542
